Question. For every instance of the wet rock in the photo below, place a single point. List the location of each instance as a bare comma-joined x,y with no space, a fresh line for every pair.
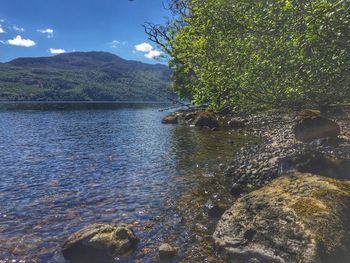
166,252
99,243
236,190
214,209
312,128
316,163
170,119
236,123
296,218
206,119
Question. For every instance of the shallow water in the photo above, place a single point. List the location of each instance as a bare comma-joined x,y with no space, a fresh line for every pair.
62,170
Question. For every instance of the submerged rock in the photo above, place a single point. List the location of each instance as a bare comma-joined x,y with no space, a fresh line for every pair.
315,127
296,218
206,119
99,243
214,209
170,119
166,252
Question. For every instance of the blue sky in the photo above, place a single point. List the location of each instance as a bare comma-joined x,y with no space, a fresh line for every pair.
31,28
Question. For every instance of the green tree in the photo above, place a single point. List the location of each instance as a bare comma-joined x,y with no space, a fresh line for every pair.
257,54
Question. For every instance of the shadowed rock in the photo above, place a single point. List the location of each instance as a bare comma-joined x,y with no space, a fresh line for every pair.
99,243
297,218
316,163
316,127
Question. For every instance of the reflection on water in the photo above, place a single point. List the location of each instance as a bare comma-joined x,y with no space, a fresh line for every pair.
62,170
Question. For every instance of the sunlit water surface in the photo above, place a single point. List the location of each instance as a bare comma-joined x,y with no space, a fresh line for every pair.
61,170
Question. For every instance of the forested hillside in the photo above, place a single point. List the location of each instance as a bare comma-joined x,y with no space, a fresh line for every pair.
83,76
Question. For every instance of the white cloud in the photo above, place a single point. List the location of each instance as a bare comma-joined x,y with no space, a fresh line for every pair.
2,30
57,51
116,43
19,29
147,48
153,54
48,32
21,42
144,47
2,42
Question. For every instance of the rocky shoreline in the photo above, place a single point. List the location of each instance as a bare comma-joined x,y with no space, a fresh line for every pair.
293,145
284,191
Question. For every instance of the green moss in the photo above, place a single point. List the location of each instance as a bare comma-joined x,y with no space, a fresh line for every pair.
325,212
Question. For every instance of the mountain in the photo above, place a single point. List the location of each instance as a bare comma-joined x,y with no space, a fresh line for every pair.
83,76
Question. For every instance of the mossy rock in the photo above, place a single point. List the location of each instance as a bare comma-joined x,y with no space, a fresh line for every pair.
297,218
308,113
100,243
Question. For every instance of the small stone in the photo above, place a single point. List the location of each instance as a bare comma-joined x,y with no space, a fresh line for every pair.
166,252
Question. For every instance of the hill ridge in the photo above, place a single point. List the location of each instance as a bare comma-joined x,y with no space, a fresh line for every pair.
87,76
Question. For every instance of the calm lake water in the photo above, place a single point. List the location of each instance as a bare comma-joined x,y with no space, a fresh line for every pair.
61,170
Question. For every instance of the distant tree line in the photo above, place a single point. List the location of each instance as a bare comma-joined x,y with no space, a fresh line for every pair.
254,54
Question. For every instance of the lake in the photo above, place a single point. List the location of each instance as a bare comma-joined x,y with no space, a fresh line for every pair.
63,169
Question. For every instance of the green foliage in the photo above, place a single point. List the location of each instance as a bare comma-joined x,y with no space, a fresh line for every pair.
258,54
92,76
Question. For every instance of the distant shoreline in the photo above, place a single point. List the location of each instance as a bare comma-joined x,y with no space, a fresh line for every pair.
85,102
77,105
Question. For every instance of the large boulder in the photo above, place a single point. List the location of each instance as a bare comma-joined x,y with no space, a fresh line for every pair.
100,243
206,119
297,218
315,127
